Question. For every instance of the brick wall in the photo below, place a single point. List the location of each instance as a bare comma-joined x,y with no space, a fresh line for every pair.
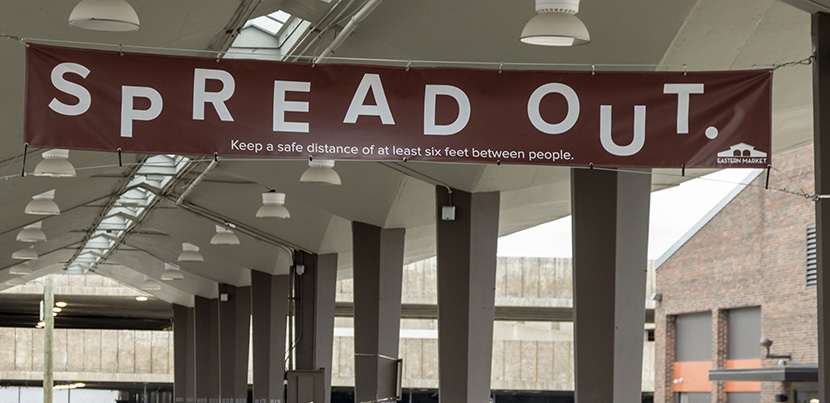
752,253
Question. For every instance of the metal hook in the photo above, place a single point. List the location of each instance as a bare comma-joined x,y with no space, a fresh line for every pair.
408,64
593,70
501,67
120,51
684,69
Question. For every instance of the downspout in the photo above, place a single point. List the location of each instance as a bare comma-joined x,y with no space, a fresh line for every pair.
356,19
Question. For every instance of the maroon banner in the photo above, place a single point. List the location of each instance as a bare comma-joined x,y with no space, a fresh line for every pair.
141,103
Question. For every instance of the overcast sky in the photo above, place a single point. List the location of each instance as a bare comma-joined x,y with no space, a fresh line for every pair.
673,212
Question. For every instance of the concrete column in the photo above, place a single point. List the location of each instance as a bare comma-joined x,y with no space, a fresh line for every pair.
466,294
378,274
206,339
184,368
234,332
610,244
316,289
269,300
821,129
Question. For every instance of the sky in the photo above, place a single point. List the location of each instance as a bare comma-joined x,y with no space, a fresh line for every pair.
674,211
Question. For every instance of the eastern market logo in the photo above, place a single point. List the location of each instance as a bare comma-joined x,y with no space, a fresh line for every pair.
742,153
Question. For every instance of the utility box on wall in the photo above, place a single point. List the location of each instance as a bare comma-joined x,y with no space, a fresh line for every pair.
306,387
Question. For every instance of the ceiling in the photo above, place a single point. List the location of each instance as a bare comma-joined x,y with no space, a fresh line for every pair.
702,34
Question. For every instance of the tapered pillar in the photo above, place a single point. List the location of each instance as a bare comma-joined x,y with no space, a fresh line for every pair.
466,294
184,350
206,339
234,333
610,243
317,287
269,299
378,273
821,143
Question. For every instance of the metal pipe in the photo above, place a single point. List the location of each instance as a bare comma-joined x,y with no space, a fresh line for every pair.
48,362
196,182
356,19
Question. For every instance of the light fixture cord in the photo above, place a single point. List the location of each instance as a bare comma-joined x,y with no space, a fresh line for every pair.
25,152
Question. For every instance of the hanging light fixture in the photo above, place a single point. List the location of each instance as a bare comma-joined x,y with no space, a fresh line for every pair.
55,164
224,236
171,272
16,281
43,204
22,269
273,206
32,233
104,15
320,171
25,254
556,25
190,253
150,284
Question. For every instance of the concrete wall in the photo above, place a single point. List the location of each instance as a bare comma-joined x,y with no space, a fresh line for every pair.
526,355
89,355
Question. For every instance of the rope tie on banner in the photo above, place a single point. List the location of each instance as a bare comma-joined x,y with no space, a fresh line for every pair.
216,156
684,69
501,67
25,152
766,186
409,63
120,50
683,170
593,69
119,157
591,165
803,62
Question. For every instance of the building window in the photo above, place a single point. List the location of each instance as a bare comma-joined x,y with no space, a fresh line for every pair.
811,256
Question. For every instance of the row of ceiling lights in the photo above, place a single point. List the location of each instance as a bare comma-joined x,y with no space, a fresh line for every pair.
56,164
555,24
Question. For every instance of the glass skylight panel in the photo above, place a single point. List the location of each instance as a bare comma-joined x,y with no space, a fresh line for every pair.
154,175
271,23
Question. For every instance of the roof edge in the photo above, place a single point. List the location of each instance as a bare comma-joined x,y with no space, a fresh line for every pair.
706,218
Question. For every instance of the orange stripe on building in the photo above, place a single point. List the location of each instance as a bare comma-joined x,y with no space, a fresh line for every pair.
735,386
692,376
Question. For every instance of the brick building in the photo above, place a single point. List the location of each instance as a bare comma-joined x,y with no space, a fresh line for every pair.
740,276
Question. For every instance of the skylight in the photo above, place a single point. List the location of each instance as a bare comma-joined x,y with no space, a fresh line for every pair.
271,23
152,177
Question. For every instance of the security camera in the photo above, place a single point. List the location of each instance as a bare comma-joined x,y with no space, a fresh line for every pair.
765,342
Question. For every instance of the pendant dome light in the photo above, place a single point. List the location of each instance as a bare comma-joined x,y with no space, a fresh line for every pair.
55,164
104,15
190,253
224,236
320,171
25,254
556,25
32,233
273,206
43,204
22,269
171,272
150,285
